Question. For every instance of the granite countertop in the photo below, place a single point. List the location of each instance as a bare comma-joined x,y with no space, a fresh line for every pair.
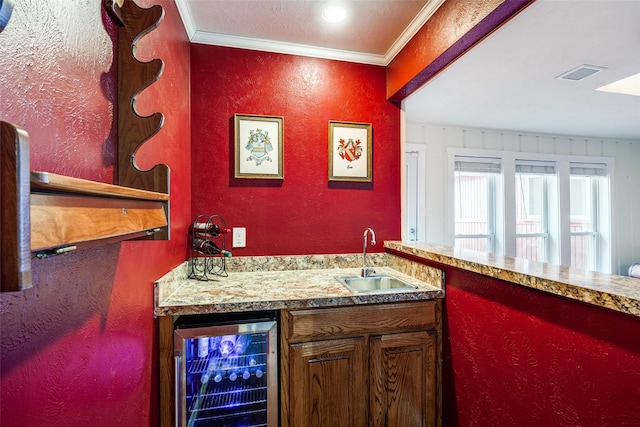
619,293
287,282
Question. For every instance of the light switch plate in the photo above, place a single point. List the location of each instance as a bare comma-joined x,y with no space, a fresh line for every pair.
239,237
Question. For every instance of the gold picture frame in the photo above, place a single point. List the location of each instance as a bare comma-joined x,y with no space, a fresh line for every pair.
258,146
350,151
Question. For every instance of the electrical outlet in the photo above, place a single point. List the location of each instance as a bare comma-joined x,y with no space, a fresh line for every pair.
239,237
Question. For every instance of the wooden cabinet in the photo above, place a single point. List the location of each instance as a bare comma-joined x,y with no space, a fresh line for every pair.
325,376
402,389
372,365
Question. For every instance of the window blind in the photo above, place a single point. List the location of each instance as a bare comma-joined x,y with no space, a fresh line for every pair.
477,164
537,167
588,169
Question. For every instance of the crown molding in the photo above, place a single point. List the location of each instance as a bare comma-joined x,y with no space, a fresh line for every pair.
421,18
187,17
286,48
217,39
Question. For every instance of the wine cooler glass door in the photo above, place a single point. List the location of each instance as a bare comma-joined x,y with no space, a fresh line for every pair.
228,375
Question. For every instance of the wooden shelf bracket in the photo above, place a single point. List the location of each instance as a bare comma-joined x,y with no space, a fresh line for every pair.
134,76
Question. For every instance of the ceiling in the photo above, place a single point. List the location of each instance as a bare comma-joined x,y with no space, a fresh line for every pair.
508,81
373,32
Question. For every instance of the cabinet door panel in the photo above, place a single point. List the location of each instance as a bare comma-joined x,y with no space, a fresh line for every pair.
328,386
403,379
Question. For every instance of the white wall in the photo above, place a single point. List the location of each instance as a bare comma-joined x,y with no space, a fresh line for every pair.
626,175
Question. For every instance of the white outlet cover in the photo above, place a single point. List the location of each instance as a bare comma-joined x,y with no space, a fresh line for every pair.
239,237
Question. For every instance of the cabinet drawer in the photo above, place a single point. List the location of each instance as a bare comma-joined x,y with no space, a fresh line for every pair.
302,325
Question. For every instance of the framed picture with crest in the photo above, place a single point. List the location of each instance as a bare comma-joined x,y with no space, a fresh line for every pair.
350,151
258,146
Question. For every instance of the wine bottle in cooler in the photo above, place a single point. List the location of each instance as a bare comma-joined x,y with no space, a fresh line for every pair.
210,228
213,371
227,345
246,373
258,372
232,368
208,247
242,343
256,369
214,344
203,347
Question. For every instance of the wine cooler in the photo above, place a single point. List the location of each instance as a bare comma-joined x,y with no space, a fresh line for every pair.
226,373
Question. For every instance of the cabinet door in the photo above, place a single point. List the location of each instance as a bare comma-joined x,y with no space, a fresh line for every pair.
328,383
404,379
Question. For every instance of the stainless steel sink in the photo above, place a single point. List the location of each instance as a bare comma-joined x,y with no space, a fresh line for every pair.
374,283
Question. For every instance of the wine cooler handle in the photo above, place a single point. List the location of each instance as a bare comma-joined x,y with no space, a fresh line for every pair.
177,390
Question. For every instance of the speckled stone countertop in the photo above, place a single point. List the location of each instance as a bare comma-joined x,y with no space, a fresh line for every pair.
619,293
279,282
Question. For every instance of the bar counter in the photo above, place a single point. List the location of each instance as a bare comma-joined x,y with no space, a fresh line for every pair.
618,293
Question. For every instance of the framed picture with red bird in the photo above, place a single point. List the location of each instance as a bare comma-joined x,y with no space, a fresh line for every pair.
350,151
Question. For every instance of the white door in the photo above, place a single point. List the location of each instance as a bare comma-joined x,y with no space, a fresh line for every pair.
411,208
414,209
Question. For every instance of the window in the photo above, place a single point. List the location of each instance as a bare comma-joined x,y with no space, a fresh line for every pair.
474,182
533,179
552,209
586,181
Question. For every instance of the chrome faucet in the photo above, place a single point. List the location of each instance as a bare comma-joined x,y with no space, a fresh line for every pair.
367,271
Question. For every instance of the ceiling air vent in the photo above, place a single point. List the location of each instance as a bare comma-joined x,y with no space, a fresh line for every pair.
580,72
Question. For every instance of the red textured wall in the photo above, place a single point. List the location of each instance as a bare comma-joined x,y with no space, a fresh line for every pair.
304,213
518,357
454,28
79,347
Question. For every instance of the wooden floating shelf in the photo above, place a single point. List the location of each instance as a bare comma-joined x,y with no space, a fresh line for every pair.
49,182
70,212
45,214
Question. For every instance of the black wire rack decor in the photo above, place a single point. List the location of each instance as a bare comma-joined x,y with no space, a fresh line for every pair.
207,238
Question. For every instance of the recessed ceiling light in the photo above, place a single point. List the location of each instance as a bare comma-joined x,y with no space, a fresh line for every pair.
334,13
627,86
